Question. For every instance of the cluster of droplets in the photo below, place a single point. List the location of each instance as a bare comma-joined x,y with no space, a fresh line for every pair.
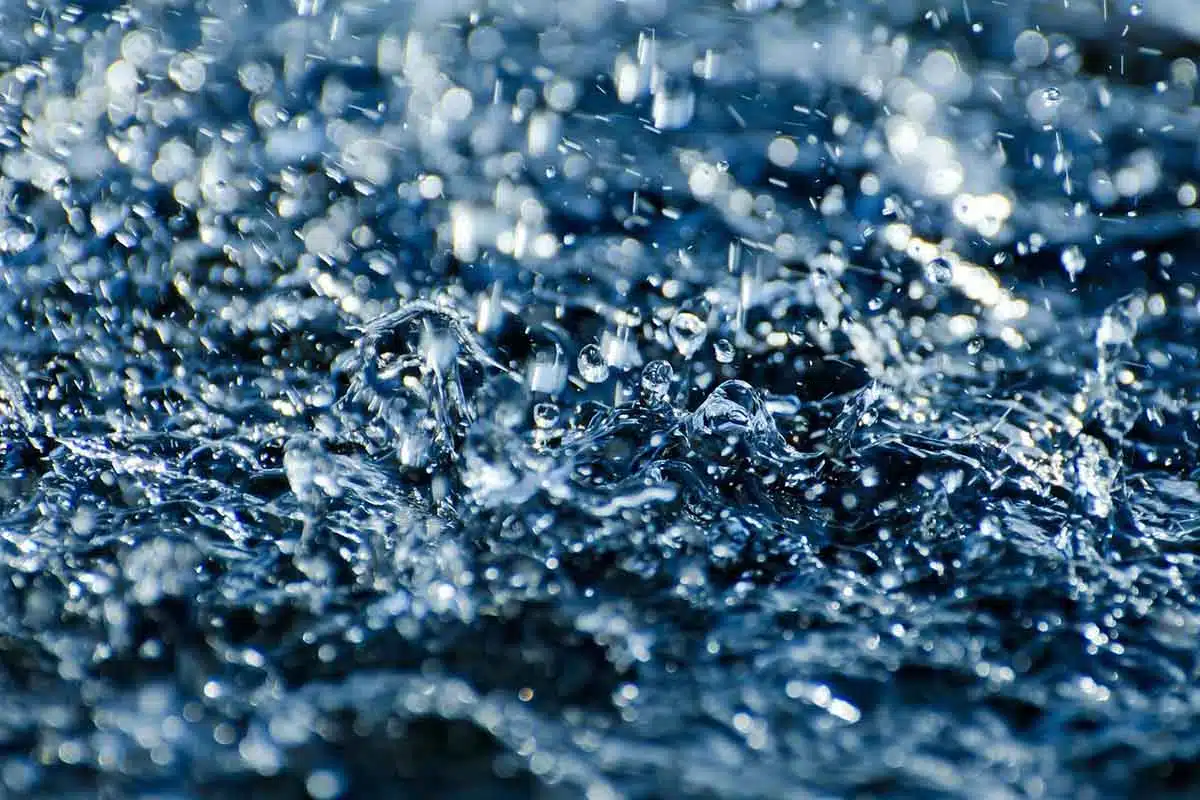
524,372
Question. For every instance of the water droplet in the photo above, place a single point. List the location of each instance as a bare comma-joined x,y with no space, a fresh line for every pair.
324,784
724,351
1052,95
656,381
1135,10
673,107
16,236
547,372
975,346
107,217
545,415
187,72
939,272
689,329
1073,261
592,366
732,409
620,348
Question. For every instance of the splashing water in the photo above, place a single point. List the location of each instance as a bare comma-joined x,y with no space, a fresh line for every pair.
577,399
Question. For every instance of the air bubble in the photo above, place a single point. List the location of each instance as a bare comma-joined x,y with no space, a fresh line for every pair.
724,351
1052,95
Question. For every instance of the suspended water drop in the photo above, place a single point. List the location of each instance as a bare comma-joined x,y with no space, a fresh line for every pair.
821,279
16,236
673,106
620,348
1135,10
1073,261
689,328
656,381
107,217
547,373
545,415
724,351
939,271
1052,95
592,366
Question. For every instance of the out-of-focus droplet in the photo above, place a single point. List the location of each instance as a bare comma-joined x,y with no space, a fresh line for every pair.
620,348
187,72
1073,261
16,236
673,106
939,271
547,373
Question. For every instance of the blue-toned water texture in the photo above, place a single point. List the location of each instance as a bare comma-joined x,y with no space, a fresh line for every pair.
599,399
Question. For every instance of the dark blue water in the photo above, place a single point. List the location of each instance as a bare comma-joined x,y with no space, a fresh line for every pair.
564,398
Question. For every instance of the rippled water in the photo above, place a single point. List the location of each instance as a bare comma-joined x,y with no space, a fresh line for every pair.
568,398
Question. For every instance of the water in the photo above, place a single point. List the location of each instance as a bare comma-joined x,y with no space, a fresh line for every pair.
559,399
